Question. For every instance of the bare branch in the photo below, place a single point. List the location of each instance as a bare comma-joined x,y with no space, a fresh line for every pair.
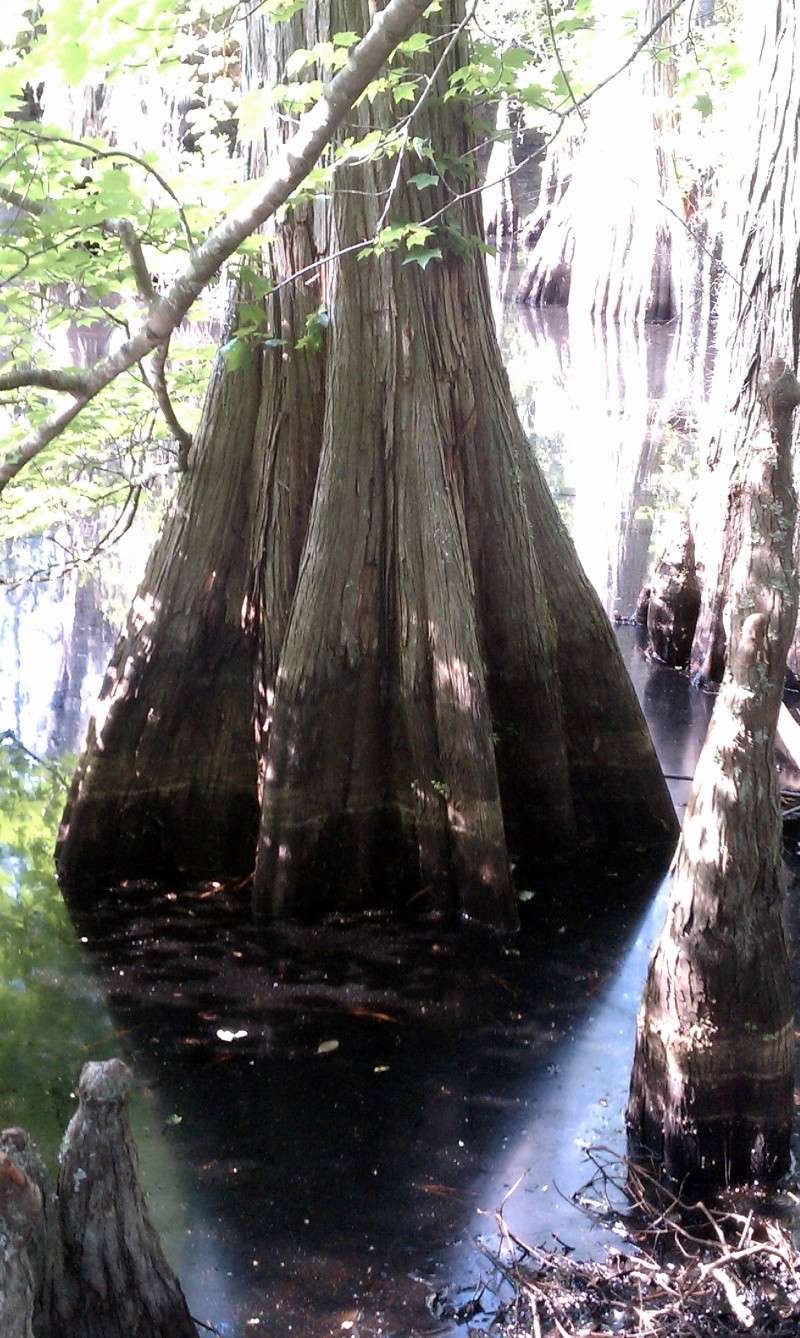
70,380
21,202
295,160
124,229
161,392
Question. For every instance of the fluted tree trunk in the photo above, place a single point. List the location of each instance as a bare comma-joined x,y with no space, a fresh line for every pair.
423,696
500,195
606,245
712,1086
760,315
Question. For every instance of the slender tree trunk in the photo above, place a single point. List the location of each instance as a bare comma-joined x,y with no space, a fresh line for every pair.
761,314
712,1086
607,246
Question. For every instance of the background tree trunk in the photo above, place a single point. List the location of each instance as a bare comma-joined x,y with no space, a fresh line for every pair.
607,246
760,318
500,196
674,602
712,1086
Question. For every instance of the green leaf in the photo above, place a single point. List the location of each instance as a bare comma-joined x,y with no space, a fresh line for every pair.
236,353
703,104
423,258
423,179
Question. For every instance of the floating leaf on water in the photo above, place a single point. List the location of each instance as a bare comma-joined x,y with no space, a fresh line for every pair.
327,1047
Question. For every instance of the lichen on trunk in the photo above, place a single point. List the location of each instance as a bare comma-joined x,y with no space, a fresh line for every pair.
712,1084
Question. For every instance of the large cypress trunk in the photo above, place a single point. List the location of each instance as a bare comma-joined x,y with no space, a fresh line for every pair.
761,315
429,700
712,1085
423,697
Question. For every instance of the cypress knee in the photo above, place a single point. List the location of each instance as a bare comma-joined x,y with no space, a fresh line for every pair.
674,603
20,1213
44,1243
117,1282
712,1084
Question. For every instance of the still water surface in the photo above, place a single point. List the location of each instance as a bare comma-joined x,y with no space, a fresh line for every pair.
302,1186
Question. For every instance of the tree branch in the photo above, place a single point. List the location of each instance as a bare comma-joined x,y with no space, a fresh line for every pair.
161,392
124,229
70,380
297,157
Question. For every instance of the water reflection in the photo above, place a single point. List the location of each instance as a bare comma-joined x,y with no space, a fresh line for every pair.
611,414
55,640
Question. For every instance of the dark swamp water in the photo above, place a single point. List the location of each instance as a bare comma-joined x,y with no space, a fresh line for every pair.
325,1114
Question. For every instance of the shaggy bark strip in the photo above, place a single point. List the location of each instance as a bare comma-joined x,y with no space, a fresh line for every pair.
712,1085
292,393
761,318
117,1282
167,782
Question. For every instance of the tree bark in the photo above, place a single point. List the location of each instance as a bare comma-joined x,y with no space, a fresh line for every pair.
117,1283
424,620
712,1085
760,318
166,784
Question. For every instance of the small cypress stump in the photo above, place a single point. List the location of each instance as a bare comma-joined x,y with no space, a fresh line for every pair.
674,603
117,1282
712,1084
20,1216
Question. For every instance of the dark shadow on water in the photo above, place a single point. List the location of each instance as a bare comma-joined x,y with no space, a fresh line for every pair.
351,1171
